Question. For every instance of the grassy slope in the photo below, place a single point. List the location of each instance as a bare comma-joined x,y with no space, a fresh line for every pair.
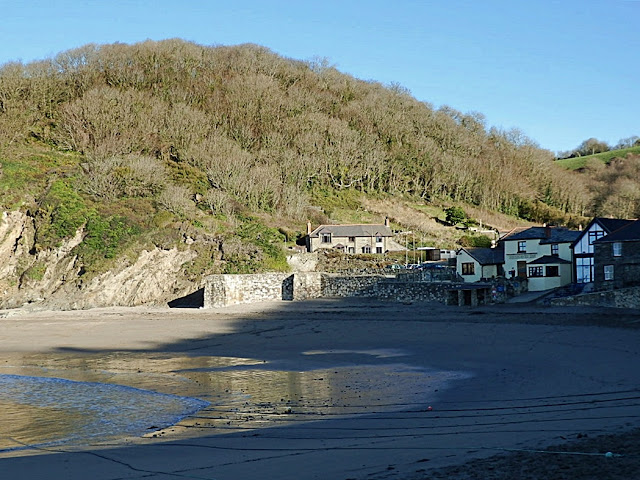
605,157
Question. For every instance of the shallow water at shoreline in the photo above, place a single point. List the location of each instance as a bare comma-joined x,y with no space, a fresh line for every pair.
47,411
76,400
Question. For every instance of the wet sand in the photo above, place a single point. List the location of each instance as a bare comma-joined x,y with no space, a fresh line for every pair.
537,377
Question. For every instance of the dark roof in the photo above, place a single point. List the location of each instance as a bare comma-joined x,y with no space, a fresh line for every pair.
545,234
608,225
356,230
612,224
487,256
549,260
628,233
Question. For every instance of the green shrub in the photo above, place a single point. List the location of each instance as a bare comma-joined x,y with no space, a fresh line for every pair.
475,241
61,214
455,215
35,272
256,248
205,263
105,237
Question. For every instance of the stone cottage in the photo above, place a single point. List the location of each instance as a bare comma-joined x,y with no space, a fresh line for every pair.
617,258
354,238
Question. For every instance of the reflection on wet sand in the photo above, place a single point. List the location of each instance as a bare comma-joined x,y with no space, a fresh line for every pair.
242,393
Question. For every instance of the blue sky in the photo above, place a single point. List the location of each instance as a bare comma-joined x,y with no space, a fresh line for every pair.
560,71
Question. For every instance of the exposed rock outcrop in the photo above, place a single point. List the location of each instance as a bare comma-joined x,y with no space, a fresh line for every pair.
53,278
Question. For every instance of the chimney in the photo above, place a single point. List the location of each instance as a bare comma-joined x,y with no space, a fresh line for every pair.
547,231
308,227
386,221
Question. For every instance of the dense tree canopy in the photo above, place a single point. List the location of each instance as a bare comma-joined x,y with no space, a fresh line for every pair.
242,126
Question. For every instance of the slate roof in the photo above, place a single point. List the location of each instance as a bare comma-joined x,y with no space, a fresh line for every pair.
549,260
487,256
558,235
561,235
356,230
612,224
628,233
608,225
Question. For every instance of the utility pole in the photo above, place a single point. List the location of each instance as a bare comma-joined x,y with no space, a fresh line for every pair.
406,246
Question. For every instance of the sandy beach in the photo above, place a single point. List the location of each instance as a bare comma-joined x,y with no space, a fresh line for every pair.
347,389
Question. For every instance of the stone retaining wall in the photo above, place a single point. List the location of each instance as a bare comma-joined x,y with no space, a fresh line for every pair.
335,285
412,291
224,290
622,298
307,285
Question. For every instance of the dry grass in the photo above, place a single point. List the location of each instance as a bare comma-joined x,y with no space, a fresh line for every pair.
422,219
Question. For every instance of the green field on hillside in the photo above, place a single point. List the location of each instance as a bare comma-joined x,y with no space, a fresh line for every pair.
605,157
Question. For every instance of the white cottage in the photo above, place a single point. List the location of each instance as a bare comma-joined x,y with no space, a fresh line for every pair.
541,254
476,264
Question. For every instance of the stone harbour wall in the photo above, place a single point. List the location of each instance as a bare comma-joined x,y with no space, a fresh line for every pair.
307,285
224,290
336,285
621,298
408,292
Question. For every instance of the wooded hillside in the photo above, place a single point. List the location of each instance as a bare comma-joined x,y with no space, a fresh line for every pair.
127,138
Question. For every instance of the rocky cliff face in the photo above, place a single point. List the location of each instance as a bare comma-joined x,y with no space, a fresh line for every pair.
53,278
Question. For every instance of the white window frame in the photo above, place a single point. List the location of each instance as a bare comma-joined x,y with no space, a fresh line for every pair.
325,237
522,246
617,249
608,272
536,272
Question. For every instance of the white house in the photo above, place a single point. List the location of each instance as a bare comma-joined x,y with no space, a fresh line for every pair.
476,264
548,272
541,254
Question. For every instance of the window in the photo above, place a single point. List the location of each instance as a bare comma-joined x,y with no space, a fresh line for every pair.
325,238
584,270
378,249
617,249
608,272
553,271
378,239
555,251
352,250
522,247
468,268
352,239
535,272
593,236
366,249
